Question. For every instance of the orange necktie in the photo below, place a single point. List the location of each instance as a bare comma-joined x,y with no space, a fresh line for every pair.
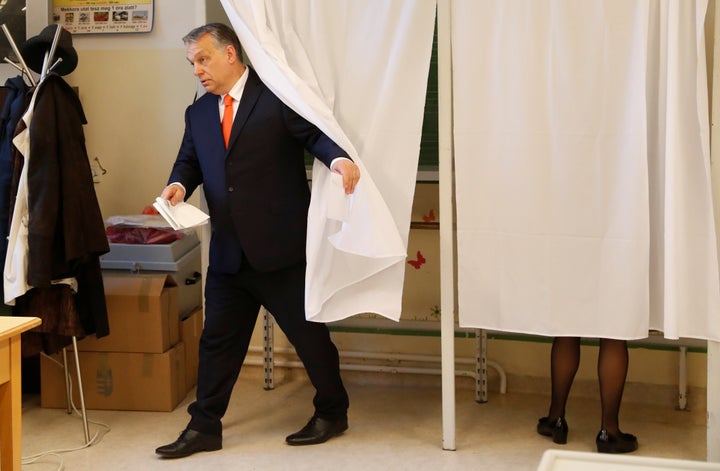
227,119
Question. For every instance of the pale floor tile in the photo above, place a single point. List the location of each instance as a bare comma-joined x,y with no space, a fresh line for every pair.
392,427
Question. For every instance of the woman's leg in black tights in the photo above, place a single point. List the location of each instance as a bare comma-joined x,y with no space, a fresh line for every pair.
564,362
612,370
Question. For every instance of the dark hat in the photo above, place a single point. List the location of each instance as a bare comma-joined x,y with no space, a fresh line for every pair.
33,50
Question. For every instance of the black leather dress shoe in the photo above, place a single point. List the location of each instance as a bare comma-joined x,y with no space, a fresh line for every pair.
318,430
556,428
620,443
189,442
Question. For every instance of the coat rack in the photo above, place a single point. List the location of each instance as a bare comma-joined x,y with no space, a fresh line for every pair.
23,68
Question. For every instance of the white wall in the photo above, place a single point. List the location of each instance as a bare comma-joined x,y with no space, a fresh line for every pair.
134,89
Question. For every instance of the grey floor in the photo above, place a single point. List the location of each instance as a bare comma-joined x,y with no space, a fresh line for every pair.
395,425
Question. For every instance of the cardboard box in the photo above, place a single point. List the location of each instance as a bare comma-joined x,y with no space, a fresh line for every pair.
185,270
142,312
118,381
190,331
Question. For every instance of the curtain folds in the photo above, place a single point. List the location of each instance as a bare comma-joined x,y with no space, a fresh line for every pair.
582,164
357,70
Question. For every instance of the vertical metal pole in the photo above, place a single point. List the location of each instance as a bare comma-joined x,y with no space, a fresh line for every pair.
50,54
68,389
713,348
682,378
83,411
268,353
44,66
713,405
481,386
447,245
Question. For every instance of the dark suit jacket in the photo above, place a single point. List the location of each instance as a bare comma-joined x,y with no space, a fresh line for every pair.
257,190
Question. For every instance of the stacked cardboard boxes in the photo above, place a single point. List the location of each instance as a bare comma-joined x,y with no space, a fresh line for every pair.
149,360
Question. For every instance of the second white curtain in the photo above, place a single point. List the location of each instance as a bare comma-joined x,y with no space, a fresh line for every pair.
583,190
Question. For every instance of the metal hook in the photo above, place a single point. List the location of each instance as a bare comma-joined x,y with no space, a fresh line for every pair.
17,53
59,59
17,66
104,171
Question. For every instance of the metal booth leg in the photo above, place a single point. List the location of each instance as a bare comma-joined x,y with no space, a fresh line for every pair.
682,379
481,387
268,357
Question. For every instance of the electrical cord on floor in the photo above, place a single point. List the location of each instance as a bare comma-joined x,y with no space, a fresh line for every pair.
32,459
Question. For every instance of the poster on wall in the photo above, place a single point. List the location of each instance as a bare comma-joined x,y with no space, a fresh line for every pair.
104,16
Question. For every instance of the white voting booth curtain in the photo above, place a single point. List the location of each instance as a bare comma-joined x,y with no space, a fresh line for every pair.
684,300
358,70
582,168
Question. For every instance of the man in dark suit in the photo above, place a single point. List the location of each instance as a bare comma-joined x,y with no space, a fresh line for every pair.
258,197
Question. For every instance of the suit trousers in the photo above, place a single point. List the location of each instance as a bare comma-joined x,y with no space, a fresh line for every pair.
232,303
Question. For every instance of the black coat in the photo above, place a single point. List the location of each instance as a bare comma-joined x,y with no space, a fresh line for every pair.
66,234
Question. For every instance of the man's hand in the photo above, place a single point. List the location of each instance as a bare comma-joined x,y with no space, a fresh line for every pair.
350,173
174,193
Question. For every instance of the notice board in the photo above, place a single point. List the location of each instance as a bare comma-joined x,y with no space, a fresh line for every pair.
104,16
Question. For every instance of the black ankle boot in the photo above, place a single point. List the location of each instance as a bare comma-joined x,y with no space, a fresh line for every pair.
621,443
556,428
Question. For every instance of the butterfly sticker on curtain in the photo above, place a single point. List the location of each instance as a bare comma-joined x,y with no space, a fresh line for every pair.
419,262
430,216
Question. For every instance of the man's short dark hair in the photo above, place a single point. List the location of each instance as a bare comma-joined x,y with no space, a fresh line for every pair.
222,34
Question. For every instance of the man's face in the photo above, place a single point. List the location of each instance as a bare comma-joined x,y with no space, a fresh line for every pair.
215,68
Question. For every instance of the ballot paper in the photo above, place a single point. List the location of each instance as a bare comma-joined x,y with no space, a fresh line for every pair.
180,216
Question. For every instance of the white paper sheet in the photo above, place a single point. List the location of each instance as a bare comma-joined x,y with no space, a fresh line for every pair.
182,215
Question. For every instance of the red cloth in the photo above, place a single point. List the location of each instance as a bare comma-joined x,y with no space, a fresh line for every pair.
124,234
